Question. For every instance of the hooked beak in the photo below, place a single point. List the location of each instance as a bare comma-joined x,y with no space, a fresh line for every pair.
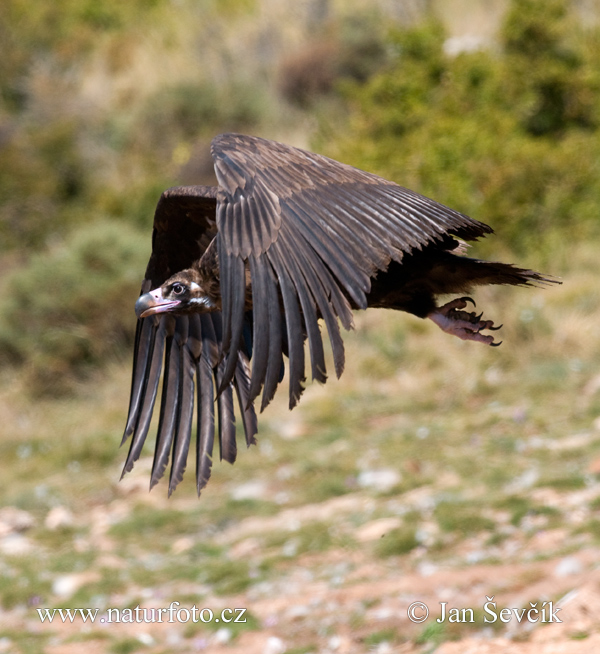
153,302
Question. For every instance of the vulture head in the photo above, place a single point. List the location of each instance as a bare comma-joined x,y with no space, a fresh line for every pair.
181,294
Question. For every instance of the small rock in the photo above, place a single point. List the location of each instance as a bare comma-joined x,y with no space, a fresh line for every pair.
251,490
334,643
146,639
244,548
222,636
297,611
381,480
568,566
282,498
174,638
14,520
274,645
285,472
523,481
426,568
376,529
182,544
291,429
290,548
15,544
59,516
65,586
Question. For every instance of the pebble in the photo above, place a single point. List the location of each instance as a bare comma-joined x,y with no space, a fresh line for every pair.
568,566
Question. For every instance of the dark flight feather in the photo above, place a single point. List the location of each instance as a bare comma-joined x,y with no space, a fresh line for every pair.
289,238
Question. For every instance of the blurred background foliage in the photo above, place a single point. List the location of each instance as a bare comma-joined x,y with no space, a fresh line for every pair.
103,106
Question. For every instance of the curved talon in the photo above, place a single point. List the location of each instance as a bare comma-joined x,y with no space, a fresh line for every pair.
468,326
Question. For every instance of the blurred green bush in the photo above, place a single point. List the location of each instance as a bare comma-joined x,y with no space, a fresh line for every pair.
352,49
70,308
508,136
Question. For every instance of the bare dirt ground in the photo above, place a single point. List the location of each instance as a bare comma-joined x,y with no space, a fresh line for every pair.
340,601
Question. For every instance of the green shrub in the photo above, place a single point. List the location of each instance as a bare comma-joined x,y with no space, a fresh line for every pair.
396,542
72,306
188,111
462,517
509,137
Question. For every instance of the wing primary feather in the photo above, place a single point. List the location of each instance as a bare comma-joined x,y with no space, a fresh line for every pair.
205,425
140,358
206,399
149,397
226,414
326,298
185,405
307,302
274,353
194,341
321,261
360,232
241,383
145,337
152,378
337,299
225,286
294,323
237,288
322,277
410,228
436,213
372,203
326,241
356,282
169,409
212,330
260,325
240,224
421,217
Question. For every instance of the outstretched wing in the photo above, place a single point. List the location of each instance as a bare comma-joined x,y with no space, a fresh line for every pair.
189,346
312,233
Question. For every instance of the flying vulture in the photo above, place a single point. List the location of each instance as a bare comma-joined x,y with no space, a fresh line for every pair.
242,273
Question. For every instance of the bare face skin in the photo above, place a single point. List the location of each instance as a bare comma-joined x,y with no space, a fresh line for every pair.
180,294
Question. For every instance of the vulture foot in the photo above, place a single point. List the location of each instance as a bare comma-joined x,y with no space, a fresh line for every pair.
466,325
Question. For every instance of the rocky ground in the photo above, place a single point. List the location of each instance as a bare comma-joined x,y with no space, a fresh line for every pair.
463,479
333,597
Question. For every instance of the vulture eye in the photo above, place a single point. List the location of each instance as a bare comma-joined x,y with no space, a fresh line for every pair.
177,288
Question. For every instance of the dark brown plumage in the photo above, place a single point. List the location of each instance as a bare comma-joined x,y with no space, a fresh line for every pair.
246,270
